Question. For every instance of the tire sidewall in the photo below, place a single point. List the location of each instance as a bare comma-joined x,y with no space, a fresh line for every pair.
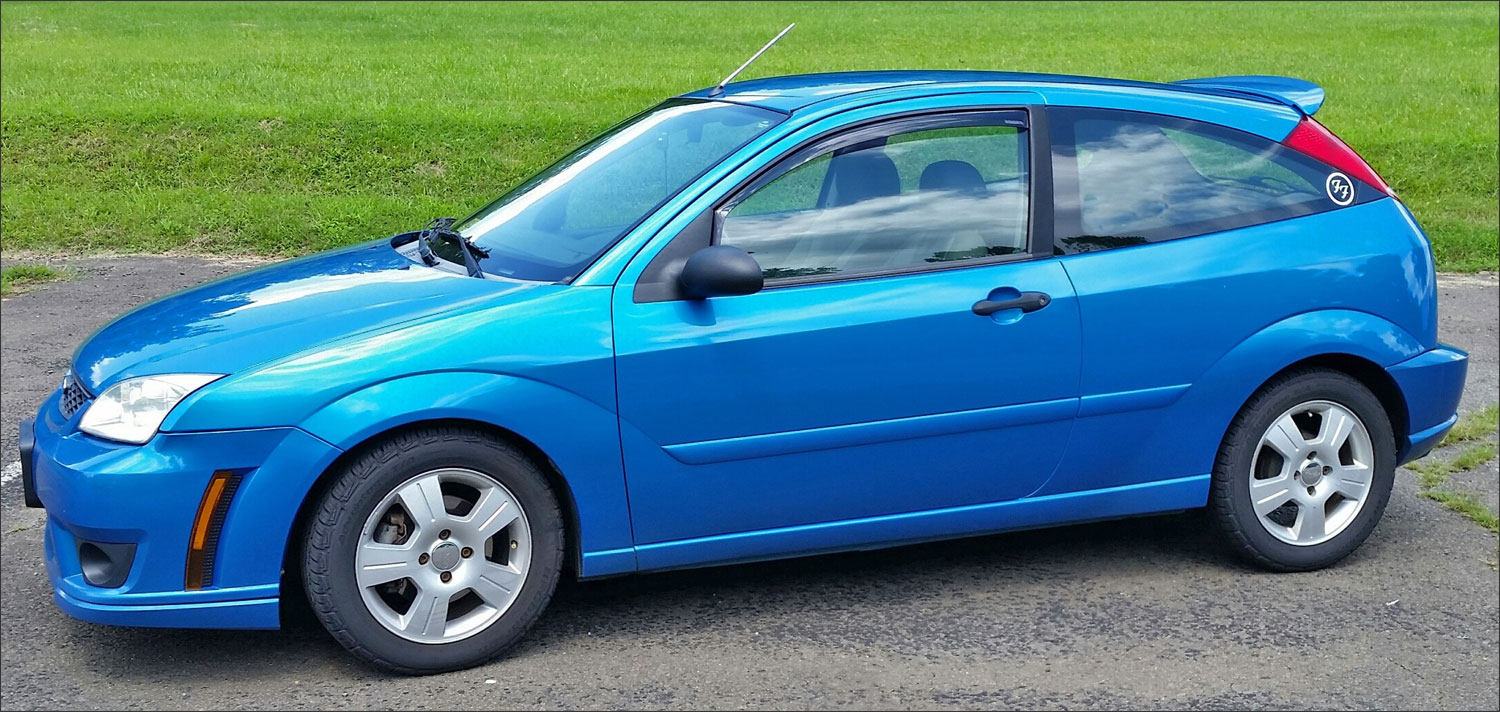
342,526
1324,386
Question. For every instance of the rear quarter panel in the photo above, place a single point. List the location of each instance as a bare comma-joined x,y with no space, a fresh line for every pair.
1219,314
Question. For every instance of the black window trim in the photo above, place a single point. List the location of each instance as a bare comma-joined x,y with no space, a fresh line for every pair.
657,282
1064,165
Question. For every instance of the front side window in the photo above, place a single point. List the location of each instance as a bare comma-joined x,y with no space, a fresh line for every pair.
901,201
553,225
1125,178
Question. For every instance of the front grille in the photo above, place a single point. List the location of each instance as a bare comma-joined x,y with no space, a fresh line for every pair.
73,396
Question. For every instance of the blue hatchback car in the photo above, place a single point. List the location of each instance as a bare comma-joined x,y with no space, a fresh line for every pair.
787,316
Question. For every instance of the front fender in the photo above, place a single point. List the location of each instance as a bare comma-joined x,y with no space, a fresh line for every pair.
1190,427
580,437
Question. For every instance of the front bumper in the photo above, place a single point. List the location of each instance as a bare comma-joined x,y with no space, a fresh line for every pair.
28,473
143,499
1432,383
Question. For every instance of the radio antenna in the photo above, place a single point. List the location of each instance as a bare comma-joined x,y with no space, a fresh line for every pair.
720,88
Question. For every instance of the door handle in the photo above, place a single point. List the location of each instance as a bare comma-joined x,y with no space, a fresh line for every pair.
1028,302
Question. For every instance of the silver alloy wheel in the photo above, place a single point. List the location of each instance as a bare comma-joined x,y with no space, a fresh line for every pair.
1311,473
443,556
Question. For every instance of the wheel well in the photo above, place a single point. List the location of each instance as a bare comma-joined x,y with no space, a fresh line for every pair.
1372,376
291,572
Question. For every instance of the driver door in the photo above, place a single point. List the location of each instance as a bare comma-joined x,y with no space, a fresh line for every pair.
860,385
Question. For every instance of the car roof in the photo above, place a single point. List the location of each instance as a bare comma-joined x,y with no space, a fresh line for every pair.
794,92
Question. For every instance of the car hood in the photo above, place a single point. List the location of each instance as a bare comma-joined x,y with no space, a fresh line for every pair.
246,319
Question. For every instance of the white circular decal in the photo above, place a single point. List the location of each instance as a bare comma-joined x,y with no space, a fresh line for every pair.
1340,188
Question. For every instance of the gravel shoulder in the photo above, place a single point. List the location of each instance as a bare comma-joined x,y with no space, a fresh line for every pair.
1145,613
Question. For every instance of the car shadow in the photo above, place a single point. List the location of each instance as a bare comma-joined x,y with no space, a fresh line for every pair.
695,601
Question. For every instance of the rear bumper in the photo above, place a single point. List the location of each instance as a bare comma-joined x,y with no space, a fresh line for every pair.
137,503
1431,383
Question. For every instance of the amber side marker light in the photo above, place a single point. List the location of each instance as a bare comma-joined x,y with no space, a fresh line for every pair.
204,539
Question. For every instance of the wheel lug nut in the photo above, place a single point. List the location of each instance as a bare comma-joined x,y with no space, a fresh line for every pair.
447,577
1327,469
444,534
467,552
1311,491
422,559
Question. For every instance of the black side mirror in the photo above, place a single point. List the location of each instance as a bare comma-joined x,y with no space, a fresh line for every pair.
720,271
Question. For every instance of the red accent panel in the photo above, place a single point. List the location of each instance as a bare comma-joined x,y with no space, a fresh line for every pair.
1312,139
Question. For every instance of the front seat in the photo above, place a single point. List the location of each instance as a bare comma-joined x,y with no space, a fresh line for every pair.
942,243
860,176
952,175
839,243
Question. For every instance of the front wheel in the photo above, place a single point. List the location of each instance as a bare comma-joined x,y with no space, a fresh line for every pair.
1304,471
435,550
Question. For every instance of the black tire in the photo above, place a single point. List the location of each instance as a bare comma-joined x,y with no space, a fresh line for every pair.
334,531
1230,499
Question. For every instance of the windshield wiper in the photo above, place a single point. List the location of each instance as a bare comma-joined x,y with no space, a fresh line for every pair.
442,229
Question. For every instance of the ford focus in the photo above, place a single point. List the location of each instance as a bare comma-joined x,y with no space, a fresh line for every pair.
780,317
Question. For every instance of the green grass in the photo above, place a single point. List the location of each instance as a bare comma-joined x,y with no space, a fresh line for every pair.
18,278
1466,505
1473,456
1474,426
1433,472
278,129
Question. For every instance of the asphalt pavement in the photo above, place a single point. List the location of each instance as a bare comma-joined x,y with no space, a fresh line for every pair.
1145,613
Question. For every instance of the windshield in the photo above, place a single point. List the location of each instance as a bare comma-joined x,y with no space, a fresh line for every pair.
552,226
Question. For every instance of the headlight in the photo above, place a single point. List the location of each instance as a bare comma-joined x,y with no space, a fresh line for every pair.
131,410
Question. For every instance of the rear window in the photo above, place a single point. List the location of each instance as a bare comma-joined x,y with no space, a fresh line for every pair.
1124,178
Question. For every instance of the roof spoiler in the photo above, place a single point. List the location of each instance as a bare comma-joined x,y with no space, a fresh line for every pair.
1300,93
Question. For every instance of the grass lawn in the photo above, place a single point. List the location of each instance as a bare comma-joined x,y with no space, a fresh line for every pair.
280,129
16,279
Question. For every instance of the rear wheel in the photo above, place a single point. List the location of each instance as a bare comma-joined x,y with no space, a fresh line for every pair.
1305,471
434,551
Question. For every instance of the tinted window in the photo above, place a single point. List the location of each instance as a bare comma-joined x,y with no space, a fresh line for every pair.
1124,179
906,200
553,225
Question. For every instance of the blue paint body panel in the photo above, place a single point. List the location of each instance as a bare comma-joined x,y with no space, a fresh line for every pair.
1438,375
871,411
1304,95
796,92
913,527
790,391
147,496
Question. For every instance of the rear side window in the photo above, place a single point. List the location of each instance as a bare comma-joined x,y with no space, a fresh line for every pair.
900,201
1124,178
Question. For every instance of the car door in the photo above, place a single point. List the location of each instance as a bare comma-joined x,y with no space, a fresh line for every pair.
914,348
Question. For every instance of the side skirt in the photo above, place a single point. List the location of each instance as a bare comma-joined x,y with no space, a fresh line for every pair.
897,529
